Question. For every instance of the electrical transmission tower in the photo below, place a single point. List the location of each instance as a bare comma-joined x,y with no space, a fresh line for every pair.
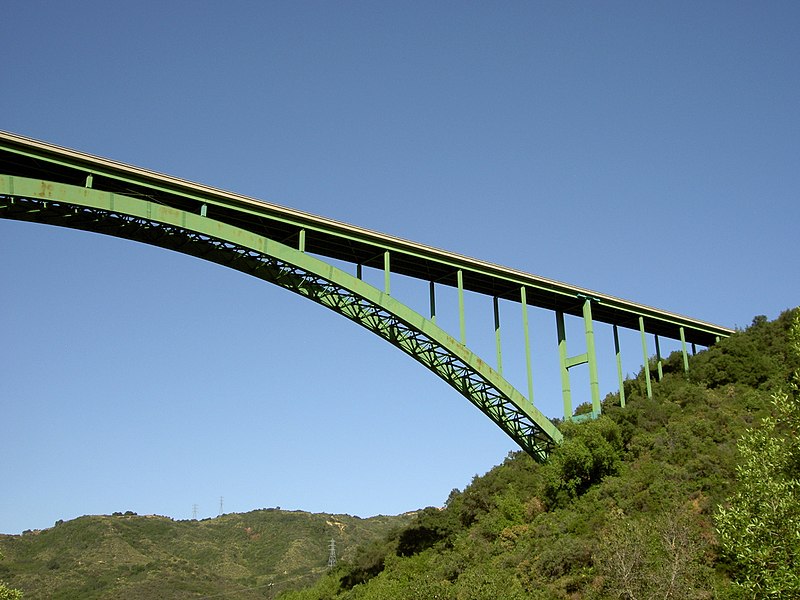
332,554
194,512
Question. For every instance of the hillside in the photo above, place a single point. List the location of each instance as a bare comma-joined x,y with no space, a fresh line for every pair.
628,506
249,555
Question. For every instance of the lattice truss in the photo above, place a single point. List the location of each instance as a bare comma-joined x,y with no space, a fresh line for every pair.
493,402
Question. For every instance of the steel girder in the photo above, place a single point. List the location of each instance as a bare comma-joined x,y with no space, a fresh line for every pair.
197,235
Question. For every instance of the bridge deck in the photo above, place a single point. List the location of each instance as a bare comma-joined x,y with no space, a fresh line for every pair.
25,157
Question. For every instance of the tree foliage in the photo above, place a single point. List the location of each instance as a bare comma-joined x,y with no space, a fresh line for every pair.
7,593
653,559
759,526
105,557
590,452
624,509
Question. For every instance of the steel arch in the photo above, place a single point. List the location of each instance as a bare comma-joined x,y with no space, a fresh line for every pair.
140,220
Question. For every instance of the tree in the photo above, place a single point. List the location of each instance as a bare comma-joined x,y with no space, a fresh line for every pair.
653,558
759,526
7,593
590,452
431,526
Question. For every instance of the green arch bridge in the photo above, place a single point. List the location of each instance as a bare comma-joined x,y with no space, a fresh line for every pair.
44,183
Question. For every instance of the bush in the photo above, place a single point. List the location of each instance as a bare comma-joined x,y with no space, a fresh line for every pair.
759,526
591,451
431,526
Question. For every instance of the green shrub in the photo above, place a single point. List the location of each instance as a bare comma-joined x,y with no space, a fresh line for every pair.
591,451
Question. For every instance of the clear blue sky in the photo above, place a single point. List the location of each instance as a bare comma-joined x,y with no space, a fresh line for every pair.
645,150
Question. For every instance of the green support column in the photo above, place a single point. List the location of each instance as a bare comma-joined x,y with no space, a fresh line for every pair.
301,244
567,362
659,370
694,349
646,359
566,393
204,210
497,335
594,382
433,301
461,320
619,368
524,302
386,270
359,272
683,350
89,180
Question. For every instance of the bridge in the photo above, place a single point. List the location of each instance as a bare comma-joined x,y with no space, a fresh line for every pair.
45,183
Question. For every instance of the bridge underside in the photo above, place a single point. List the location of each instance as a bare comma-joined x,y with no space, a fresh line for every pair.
327,238
49,184
143,221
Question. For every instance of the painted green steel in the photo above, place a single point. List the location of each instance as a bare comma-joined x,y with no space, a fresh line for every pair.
187,232
497,344
646,358
578,359
591,358
25,157
527,334
387,273
23,161
683,351
432,287
659,370
462,322
564,363
619,368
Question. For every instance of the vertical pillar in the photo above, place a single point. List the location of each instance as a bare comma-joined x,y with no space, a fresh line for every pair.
461,320
646,359
89,180
497,335
386,270
301,244
659,370
566,393
594,382
683,351
433,301
203,210
619,368
694,349
359,271
524,302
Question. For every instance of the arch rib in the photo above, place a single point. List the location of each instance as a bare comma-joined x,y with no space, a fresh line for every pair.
140,220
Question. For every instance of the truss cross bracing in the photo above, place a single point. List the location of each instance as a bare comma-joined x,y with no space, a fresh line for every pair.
48,184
